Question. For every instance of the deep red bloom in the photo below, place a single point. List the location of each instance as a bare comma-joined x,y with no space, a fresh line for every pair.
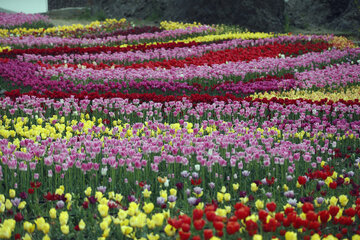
210,215
251,227
333,210
196,182
218,225
219,233
208,233
197,237
185,219
185,227
279,217
263,215
184,235
77,228
197,214
311,216
17,236
350,212
324,216
307,207
333,185
199,224
232,227
271,206
31,190
302,180
85,205
18,217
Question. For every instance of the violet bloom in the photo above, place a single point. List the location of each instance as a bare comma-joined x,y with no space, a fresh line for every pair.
188,192
185,174
60,204
195,175
292,201
198,190
16,201
101,189
268,194
320,200
160,200
289,178
192,201
211,185
172,198
289,194
245,173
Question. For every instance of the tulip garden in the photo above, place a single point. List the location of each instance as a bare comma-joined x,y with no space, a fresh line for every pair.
177,131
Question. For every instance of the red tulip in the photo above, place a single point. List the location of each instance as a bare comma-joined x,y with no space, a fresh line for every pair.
232,227
271,206
197,214
199,224
208,234
184,235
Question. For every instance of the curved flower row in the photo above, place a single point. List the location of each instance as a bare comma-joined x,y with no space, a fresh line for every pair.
163,53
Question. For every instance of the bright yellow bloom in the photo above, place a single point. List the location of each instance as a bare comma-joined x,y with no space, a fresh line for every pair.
254,187
46,237
151,236
148,207
126,230
88,191
290,236
103,209
52,213
170,230
259,204
82,225
343,199
63,218
22,205
158,219
64,229
257,237
12,193
236,186
8,204
220,197
29,227
315,237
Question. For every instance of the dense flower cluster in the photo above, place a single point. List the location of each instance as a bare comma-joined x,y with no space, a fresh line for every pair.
185,131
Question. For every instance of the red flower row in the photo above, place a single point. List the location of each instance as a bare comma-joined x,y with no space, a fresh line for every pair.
92,50
194,98
314,220
217,57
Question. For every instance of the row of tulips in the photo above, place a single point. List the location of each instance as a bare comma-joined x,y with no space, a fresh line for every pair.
11,20
104,213
101,153
75,30
49,41
166,52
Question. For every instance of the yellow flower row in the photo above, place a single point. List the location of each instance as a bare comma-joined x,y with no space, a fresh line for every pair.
350,93
61,30
55,128
170,25
217,37
342,42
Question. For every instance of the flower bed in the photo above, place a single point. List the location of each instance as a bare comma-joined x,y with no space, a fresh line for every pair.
201,139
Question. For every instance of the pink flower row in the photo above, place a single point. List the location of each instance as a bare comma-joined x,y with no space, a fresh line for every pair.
108,79
32,41
17,19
